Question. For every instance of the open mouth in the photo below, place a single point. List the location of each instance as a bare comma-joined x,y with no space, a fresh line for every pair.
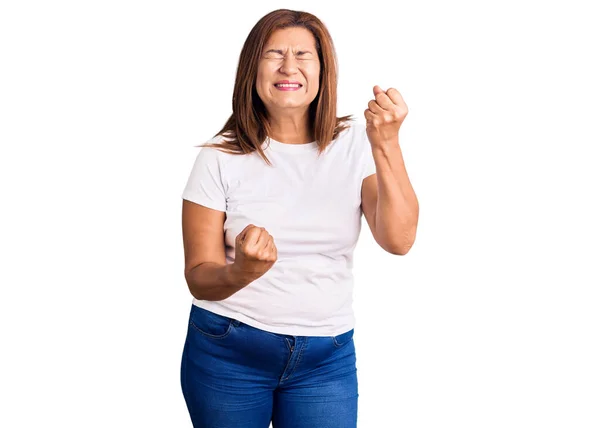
288,86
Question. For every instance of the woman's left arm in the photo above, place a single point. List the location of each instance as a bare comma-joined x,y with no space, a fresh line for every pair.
388,200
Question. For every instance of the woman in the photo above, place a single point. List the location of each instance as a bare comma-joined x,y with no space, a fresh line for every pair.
271,215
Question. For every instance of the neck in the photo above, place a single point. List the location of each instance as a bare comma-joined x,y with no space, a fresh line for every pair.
290,129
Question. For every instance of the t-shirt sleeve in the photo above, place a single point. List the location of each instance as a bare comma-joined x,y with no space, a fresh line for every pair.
368,162
205,182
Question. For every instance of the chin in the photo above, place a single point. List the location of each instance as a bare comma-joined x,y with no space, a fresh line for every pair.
291,105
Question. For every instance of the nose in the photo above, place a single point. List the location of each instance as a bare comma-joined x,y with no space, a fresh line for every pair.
289,66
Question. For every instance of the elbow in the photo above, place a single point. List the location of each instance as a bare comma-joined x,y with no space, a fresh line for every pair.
200,290
208,295
400,247
208,284
398,250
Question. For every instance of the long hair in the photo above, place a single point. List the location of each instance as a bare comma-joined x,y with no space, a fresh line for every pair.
248,126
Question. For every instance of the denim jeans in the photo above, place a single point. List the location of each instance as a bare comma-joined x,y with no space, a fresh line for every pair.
237,376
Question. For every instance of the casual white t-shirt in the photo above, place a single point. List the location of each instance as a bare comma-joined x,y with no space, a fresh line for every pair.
311,207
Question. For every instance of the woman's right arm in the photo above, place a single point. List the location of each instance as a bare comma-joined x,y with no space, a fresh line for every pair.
207,273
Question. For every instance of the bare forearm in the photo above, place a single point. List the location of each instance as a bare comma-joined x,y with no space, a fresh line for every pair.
397,205
213,281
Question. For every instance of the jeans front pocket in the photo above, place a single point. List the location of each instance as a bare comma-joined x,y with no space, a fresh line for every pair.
210,324
342,339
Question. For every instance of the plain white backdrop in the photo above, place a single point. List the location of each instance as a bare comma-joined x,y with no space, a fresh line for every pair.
490,321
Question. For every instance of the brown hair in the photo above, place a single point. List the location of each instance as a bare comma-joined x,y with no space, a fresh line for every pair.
248,126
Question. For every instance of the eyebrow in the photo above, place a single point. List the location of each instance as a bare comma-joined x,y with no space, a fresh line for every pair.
280,52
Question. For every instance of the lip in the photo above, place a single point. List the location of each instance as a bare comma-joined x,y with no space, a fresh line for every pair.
288,81
288,89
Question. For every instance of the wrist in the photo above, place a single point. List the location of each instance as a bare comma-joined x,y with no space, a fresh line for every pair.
236,277
386,146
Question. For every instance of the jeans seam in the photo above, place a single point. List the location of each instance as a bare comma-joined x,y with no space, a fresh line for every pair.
297,359
212,336
184,369
339,345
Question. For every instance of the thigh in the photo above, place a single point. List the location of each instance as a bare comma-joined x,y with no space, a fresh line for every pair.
220,390
324,395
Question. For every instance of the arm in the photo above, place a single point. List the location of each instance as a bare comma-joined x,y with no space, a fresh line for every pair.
207,273
389,202
388,199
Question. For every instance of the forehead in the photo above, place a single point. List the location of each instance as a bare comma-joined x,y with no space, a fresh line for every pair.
295,37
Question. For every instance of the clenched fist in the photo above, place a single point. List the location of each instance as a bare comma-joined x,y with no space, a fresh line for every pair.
255,252
384,116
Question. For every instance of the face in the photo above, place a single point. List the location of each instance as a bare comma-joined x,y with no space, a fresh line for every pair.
291,55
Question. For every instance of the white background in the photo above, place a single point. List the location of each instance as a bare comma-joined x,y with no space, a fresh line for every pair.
492,318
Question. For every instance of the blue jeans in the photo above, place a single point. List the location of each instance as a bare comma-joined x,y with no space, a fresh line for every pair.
237,376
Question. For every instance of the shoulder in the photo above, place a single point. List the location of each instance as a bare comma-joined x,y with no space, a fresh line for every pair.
211,154
355,133
353,139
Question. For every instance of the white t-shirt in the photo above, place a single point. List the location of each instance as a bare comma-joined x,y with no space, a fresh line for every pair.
312,208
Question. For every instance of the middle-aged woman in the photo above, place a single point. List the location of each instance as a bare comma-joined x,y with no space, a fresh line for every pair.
271,216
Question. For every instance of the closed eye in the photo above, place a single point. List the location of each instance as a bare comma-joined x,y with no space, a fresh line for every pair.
280,54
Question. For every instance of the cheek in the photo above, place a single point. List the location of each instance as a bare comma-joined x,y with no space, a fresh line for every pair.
315,74
264,78
315,77
261,84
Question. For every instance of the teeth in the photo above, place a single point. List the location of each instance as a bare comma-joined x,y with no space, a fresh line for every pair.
287,85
